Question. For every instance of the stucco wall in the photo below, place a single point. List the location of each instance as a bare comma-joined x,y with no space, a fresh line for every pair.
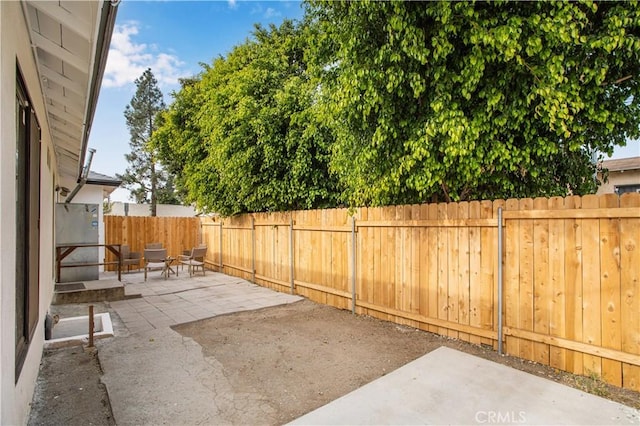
628,177
167,210
15,48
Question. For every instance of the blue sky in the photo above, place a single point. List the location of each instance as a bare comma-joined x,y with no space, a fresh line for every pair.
173,38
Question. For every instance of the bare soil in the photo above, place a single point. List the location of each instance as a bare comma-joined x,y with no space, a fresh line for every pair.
294,358
301,356
68,390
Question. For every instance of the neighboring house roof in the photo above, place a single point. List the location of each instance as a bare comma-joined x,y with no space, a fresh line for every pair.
622,164
70,41
95,178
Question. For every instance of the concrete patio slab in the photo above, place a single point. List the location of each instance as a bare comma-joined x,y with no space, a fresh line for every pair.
450,387
154,375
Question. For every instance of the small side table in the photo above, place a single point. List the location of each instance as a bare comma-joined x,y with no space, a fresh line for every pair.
169,261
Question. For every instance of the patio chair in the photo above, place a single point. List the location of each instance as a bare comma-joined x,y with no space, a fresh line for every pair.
153,246
193,260
129,258
155,259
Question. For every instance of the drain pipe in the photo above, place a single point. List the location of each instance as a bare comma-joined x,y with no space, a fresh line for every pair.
500,301
83,177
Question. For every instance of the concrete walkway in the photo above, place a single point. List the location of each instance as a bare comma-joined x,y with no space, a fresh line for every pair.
450,387
154,375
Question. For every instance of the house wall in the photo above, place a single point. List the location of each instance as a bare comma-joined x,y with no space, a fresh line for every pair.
166,210
15,395
627,177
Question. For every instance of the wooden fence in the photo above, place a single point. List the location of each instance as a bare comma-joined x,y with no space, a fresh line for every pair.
175,233
570,267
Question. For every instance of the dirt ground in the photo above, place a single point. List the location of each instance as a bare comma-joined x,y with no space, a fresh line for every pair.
68,391
300,356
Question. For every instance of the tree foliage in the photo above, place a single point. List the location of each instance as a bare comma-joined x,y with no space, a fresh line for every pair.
467,100
376,103
244,135
146,180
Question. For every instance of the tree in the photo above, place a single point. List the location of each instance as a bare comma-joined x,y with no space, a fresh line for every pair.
144,177
243,136
468,100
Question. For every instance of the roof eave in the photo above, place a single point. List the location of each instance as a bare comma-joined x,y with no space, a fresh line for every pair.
105,31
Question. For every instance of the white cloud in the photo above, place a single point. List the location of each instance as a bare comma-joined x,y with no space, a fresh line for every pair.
271,13
267,13
233,4
128,60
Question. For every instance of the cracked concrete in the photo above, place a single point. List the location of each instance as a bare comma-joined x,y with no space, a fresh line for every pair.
154,375
157,377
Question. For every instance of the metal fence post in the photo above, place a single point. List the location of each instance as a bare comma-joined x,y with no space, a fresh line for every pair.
500,301
353,264
253,249
291,255
221,264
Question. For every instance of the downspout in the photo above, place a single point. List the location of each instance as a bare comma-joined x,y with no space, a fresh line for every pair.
83,177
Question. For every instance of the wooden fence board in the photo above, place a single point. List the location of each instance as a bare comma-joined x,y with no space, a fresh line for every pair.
400,263
424,256
591,303
573,285
453,252
475,267
488,256
376,287
542,291
433,269
496,205
414,278
389,261
557,324
610,289
511,271
463,270
526,284
630,290
443,270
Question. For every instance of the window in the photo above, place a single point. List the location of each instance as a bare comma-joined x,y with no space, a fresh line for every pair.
27,222
621,189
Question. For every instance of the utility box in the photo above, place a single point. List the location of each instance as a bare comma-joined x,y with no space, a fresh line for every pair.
78,224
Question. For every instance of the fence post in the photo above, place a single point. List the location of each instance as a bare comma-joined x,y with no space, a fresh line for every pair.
221,264
91,326
291,258
353,264
500,301
253,249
